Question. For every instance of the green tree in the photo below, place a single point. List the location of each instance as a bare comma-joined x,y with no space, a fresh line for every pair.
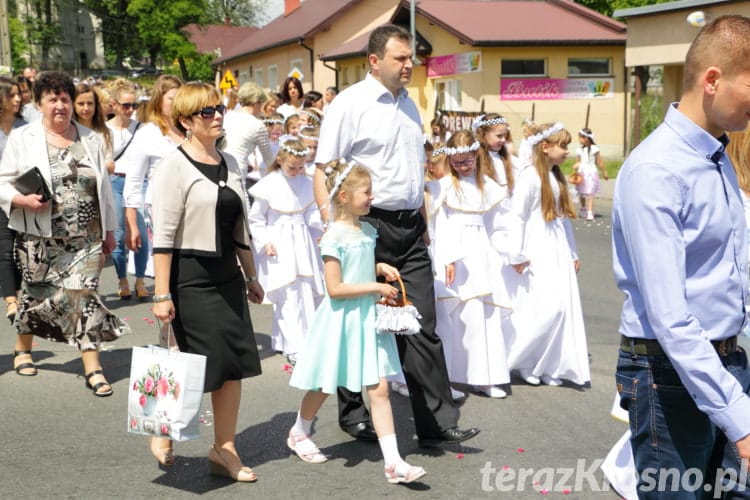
159,26
239,12
18,44
41,29
120,42
607,7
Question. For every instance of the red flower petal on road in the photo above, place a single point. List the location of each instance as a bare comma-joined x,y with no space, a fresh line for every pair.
544,491
566,492
520,450
459,456
506,467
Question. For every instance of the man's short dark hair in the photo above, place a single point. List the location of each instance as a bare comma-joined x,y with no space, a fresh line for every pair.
380,36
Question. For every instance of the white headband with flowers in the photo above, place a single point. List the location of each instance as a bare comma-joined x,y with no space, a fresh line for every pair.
438,151
461,149
273,121
586,134
339,178
310,114
286,147
301,134
546,134
480,121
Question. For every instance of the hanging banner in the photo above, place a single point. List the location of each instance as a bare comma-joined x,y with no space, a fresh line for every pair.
457,120
454,64
547,89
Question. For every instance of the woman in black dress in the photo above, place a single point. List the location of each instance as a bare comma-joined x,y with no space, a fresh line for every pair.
200,232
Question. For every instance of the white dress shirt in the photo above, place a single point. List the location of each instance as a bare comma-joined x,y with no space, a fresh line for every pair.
148,147
367,124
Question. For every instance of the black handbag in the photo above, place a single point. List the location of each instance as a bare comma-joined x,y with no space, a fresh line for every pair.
32,182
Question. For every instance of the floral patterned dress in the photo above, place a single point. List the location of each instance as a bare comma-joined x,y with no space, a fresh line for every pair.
59,298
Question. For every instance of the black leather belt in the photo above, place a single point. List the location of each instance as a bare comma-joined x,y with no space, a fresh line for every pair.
118,174
648,347
398,217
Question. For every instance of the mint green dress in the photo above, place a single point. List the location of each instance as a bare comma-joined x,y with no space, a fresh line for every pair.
342,347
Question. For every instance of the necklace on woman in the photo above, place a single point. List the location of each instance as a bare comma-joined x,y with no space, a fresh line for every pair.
60,140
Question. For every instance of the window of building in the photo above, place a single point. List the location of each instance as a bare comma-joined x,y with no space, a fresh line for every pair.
589,66
448,95
273,77
244,77
296,64
345,77
523,67
259,77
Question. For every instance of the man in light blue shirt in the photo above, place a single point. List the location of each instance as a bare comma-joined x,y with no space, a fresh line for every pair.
680,258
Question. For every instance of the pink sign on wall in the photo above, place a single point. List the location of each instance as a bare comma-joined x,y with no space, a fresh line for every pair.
454,64
545,89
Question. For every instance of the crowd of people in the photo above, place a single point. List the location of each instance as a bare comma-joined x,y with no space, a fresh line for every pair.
305,201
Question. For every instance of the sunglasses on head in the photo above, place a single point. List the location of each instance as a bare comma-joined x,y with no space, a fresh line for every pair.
210,111
129,105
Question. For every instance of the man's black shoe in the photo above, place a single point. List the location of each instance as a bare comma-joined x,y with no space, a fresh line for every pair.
452,435
362,431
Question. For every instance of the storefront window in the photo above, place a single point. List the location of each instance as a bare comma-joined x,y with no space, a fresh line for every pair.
523,67
589,66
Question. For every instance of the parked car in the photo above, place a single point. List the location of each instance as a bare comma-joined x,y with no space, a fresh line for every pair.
135,73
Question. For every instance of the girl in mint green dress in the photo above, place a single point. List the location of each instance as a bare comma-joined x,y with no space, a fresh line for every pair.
343,347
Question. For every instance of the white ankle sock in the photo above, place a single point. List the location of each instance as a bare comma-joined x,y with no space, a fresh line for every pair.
389,447
301,426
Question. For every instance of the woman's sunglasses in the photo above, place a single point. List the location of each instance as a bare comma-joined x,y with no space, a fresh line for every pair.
210,111
128,105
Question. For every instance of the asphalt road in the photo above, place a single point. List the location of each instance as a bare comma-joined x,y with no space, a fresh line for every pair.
59,441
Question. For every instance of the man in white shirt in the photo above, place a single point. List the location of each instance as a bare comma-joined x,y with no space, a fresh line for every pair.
376,124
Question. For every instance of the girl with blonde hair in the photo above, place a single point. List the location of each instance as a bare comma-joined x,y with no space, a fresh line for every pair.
343,348
285,224
471,299
547,339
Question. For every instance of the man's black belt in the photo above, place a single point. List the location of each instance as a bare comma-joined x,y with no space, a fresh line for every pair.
394,216
648,347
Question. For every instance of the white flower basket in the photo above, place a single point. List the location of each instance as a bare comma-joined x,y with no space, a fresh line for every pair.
401,318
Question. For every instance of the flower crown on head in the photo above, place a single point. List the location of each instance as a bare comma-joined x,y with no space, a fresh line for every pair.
310,114
480,121
535,139
586,134
340,177
438,151
273,121
301,134
461,149
286,147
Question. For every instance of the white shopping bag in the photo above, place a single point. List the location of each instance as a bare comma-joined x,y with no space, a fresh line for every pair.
165,393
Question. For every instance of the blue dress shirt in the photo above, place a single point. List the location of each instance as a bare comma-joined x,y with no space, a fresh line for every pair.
679,251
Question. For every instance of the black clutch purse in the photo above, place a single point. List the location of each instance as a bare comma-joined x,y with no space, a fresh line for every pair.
32,182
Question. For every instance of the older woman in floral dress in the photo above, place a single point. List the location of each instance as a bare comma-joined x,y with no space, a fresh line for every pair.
61,240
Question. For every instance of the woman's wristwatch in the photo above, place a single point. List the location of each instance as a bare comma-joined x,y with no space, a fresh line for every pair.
250,279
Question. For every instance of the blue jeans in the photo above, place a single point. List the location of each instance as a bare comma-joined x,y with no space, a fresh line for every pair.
120,253
678,452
